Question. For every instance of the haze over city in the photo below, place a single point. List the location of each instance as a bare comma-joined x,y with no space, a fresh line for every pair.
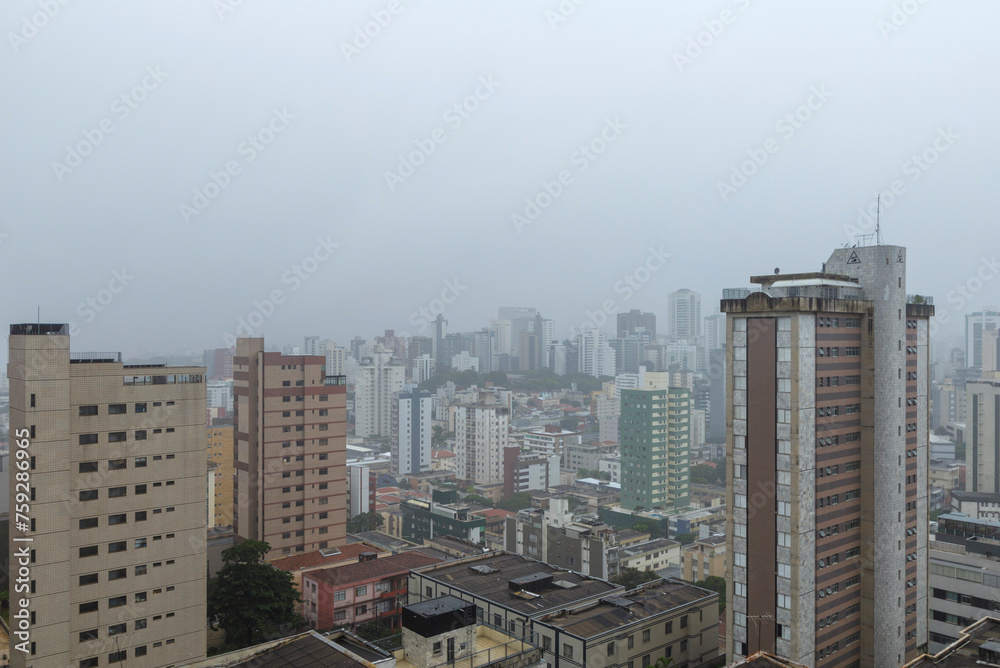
316,116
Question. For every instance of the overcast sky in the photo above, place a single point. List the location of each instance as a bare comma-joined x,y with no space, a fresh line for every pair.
115,116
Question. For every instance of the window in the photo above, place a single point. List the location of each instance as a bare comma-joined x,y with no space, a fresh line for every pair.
90,606
115,629
645,635
567,650
120,518
92,662
115,492
140,597
339,615
119,546
611,649
88,523
361,591
117,574
140,650
784,601
361,610
88,635
89,579
140,489
852,351
88,410
116,409
89,551
684,622
88,495
117,601
117,436
88,439
117,657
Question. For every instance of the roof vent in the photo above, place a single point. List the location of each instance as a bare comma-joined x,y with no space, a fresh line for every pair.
484,569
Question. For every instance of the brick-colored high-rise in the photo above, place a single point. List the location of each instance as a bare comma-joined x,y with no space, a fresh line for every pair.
116,506
291,444
827,453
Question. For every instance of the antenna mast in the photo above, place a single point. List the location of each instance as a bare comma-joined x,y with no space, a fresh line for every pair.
878,211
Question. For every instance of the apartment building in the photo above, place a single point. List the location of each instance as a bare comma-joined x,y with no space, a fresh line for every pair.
704,558
291,442
655,439
221,451
827,453
117,505
481,434
410,444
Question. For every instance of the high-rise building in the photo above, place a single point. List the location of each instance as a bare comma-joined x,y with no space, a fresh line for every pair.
982,429
312,346
377,378
638,324
221,451
521,319
715,331
684,314
219,364
484,348
291,450
530,351
423,368
410,445
655,439
975,324
500,328
110,447
439,329
596,356
481,434
629,354
991,351
827,382
716,429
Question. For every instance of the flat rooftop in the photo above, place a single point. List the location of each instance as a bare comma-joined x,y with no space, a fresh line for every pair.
495,571
616,611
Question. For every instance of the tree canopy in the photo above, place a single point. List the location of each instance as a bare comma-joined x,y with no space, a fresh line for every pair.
517,502
716,584
630,578
251,600
365,522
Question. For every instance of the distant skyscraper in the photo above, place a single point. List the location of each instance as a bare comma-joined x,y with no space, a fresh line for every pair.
484,348
410,445
291,450
975,324
530,351
423,368
715,331
655,428
439,329
377,379
481,434
827,453
684,314
521,319
596,356
636,323
110,447
219,364
311,346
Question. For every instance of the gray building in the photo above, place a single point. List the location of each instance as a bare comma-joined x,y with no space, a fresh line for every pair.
579,621
982,428
638,324
588,547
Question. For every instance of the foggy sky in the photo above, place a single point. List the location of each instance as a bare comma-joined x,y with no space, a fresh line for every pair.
885,80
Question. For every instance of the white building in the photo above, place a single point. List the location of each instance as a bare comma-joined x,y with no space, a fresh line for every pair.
612,466
684,314
220,394
376,381
464,361
410,444
597,357
481,434
361,489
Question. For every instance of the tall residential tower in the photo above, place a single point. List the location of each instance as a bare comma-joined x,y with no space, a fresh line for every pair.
827,384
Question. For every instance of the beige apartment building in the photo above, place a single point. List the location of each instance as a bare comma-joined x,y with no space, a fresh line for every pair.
220,453
117,511
291,448
704,558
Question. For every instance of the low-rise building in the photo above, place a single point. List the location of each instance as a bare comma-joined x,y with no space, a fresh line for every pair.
306,562
612,466
442,515
581,621
704,558
552,536
977,505
525,471
652,556
370,590
977,645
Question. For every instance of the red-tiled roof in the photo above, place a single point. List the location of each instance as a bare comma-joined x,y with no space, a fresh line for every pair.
348,552
442,454
370,570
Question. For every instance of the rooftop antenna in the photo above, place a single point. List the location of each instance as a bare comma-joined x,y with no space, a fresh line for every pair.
878,211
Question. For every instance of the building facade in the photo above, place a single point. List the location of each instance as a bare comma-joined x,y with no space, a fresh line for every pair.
377,379
706,557
291,450
655,439
481,434
827,457
982,428
410,444
116,531
221,449
684,314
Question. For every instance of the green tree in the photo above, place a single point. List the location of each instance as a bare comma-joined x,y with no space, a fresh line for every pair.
703,475
685,538
517,502
569,423
365,522
250,599
716,584
479,500
437,436
960,451
630,578
663,662
941,431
